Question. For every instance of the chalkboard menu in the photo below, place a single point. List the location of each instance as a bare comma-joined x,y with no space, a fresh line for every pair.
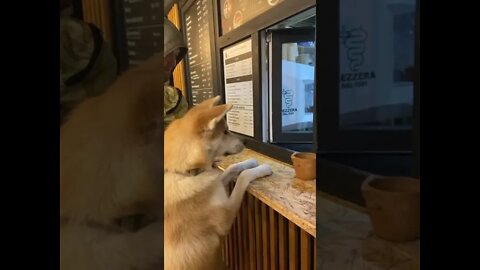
197,24
143,26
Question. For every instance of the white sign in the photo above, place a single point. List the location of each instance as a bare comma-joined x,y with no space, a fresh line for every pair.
297,84
237,65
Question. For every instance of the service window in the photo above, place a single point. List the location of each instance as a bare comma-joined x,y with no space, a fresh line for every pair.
292,84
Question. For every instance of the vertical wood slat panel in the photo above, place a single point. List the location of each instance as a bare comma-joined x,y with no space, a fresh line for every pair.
245,238
251,231
273,239
263,239
306,248
239,241
234,240
258,235
293,246
283,242
265,236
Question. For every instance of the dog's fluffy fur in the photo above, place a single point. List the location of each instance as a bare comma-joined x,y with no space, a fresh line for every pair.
110,169
198,211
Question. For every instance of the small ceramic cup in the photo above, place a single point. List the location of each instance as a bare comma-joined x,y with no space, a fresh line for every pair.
305,165
393,204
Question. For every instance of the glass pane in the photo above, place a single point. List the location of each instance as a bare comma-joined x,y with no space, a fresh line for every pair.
376,64
237,12
297,86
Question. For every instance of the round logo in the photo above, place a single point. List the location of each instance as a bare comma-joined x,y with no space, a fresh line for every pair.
237,19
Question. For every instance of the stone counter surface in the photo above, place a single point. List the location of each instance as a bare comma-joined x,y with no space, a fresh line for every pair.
291,197
345,238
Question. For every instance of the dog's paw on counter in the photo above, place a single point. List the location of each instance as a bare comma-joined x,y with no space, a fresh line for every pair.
248,164
258,172
264,170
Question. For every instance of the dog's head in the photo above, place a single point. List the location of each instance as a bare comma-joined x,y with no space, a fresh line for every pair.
194,141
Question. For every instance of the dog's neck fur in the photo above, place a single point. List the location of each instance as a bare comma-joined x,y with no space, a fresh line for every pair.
185,166
187,155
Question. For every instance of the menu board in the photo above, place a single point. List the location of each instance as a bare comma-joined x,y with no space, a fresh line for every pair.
237,12
197,28
237,64
142,12
144,31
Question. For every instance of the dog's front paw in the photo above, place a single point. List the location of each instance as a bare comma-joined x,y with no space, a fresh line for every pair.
257,172
248,164
244,165
263,170
240,167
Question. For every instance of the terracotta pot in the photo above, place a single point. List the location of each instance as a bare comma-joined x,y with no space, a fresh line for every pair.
305,165
393,204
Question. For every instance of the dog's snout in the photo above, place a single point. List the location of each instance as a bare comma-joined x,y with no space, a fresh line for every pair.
233,145
239,147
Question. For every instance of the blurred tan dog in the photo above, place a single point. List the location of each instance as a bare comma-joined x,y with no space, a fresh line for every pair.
110,176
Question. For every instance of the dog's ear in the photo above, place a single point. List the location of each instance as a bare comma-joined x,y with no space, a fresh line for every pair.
210,118
209,103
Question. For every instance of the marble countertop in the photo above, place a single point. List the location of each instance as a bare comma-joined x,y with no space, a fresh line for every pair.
291,197
346,240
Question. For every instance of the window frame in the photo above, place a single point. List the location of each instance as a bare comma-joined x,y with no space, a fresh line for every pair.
333,176
333,146
280,36
254,29
332,138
